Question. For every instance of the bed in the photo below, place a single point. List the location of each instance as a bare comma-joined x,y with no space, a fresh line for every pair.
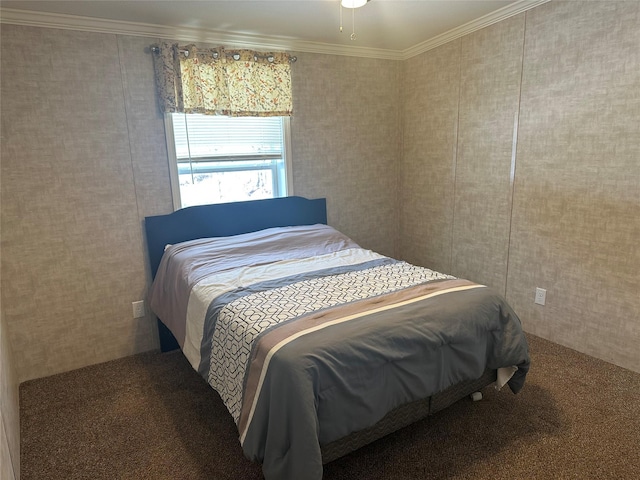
315,345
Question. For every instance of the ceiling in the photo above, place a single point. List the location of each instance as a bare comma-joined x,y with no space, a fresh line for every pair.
385,28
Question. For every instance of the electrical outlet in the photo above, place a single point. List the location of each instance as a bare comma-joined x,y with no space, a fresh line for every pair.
541,296
138,309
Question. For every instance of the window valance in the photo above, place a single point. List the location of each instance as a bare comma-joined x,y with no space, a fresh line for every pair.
215,81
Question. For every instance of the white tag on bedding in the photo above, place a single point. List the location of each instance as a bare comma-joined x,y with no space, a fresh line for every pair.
504,375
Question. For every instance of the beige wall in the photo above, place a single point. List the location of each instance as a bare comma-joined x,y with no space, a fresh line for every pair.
430,120
576,209
421,147
73,155
9,410
346,143
84,161
562,211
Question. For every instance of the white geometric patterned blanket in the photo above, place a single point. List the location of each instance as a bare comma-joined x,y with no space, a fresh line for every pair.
242,315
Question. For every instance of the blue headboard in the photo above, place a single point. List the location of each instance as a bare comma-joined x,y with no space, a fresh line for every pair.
223,220
226,219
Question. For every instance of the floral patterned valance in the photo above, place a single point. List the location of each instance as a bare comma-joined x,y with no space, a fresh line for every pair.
215,81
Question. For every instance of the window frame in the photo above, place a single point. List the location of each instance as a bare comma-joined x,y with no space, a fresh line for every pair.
173,162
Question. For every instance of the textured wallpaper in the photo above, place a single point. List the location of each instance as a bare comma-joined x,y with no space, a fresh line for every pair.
430,91
72,252
9,410
346,143
486,151
576,209
415,159
84,161
563,213
510,156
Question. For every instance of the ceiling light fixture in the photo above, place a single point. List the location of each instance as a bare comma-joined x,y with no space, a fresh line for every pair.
352,4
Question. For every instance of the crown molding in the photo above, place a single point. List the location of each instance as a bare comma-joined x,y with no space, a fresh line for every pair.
183,34
470,27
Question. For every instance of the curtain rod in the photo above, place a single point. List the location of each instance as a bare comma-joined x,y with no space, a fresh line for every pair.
236,56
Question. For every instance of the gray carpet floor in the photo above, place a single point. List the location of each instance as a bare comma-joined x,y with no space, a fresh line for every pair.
151,416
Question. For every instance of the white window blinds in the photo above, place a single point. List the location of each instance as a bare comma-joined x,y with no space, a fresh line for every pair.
219,138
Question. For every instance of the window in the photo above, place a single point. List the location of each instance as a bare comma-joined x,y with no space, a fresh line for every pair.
219,159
